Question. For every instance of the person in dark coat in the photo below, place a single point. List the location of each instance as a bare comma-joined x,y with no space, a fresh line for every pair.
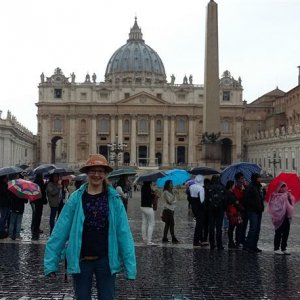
216,205
254,206
4,207
17,210
37,208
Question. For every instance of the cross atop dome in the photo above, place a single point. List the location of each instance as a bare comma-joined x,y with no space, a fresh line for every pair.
135,33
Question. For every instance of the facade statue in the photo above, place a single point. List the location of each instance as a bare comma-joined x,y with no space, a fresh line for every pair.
172,79
42,78
277,132
191,79
297,128
283,130
87,78
290,129
72,77
94,77
185,81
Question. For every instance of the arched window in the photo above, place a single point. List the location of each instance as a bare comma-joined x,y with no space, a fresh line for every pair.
181,125
57,126
180,155
126,127
103,125
143,126
158,126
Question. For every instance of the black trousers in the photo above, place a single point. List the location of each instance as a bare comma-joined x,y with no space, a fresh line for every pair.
169,223
201,216
282,235
215,228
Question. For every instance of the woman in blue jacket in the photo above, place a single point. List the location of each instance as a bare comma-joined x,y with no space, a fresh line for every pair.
93,226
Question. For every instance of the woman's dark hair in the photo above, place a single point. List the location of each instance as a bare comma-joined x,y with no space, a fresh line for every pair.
229,184
146,187
238,176
167,184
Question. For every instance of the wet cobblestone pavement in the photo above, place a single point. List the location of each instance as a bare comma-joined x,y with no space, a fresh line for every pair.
164,271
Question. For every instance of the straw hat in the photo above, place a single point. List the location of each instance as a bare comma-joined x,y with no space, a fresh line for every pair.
94,161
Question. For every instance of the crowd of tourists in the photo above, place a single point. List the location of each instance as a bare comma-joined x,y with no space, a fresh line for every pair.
89,227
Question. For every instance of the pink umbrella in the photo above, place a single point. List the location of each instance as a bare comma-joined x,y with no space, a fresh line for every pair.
25,189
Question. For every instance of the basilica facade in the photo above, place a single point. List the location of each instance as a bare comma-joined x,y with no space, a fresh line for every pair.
158,122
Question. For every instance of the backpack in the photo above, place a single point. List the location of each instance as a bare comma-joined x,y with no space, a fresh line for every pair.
215,197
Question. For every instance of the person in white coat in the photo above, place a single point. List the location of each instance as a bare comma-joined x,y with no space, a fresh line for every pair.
197,197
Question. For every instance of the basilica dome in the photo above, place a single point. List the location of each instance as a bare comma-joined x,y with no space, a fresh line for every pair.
135,61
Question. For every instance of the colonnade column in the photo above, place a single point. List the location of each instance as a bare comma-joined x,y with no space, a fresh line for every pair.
165,158
112,129
93,136
133,142
191,149
152,142
44,140
72,143
172,141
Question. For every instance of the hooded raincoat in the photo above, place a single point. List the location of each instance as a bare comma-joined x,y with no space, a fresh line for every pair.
280,206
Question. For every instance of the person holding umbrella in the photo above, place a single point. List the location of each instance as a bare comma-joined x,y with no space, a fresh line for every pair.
54,196
254,205
94,228
169,198
147,208
4,207
37,208
281,209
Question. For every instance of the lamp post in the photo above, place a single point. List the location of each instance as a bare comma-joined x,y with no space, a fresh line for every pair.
274,161
115,152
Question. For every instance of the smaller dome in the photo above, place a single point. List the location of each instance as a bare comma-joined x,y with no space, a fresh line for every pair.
135,61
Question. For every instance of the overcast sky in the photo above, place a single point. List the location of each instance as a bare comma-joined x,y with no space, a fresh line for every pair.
258,40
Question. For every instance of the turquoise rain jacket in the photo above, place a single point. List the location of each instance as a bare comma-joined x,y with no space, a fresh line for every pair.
69,227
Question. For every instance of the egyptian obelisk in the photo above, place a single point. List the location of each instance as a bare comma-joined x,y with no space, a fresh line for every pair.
211,147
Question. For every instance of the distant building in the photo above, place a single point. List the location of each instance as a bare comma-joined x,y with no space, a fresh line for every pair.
272,131
161,121
17,143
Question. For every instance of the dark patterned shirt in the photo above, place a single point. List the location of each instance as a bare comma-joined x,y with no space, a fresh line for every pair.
95,227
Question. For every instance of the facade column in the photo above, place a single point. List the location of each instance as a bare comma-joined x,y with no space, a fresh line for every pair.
133,141
44,140
72,143
238,140
112,129
192,135
93,135
165,158
152,142
120,137
172,141
7,151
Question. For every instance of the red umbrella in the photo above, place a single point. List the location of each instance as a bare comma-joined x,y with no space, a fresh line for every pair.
25,189
292,181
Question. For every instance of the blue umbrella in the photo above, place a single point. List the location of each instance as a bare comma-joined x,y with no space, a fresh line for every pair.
245,167
177,176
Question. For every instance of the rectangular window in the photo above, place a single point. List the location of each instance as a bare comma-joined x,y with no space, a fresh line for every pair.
126,95
181,140
103,138
83,96
158,96
158,139
126,139
57,93
286,163
294,163
104,96
226,95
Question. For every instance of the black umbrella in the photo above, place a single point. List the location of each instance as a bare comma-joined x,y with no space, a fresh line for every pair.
150,176
122,172
60,172
23,166
81,177
203,171
42,169
10,170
